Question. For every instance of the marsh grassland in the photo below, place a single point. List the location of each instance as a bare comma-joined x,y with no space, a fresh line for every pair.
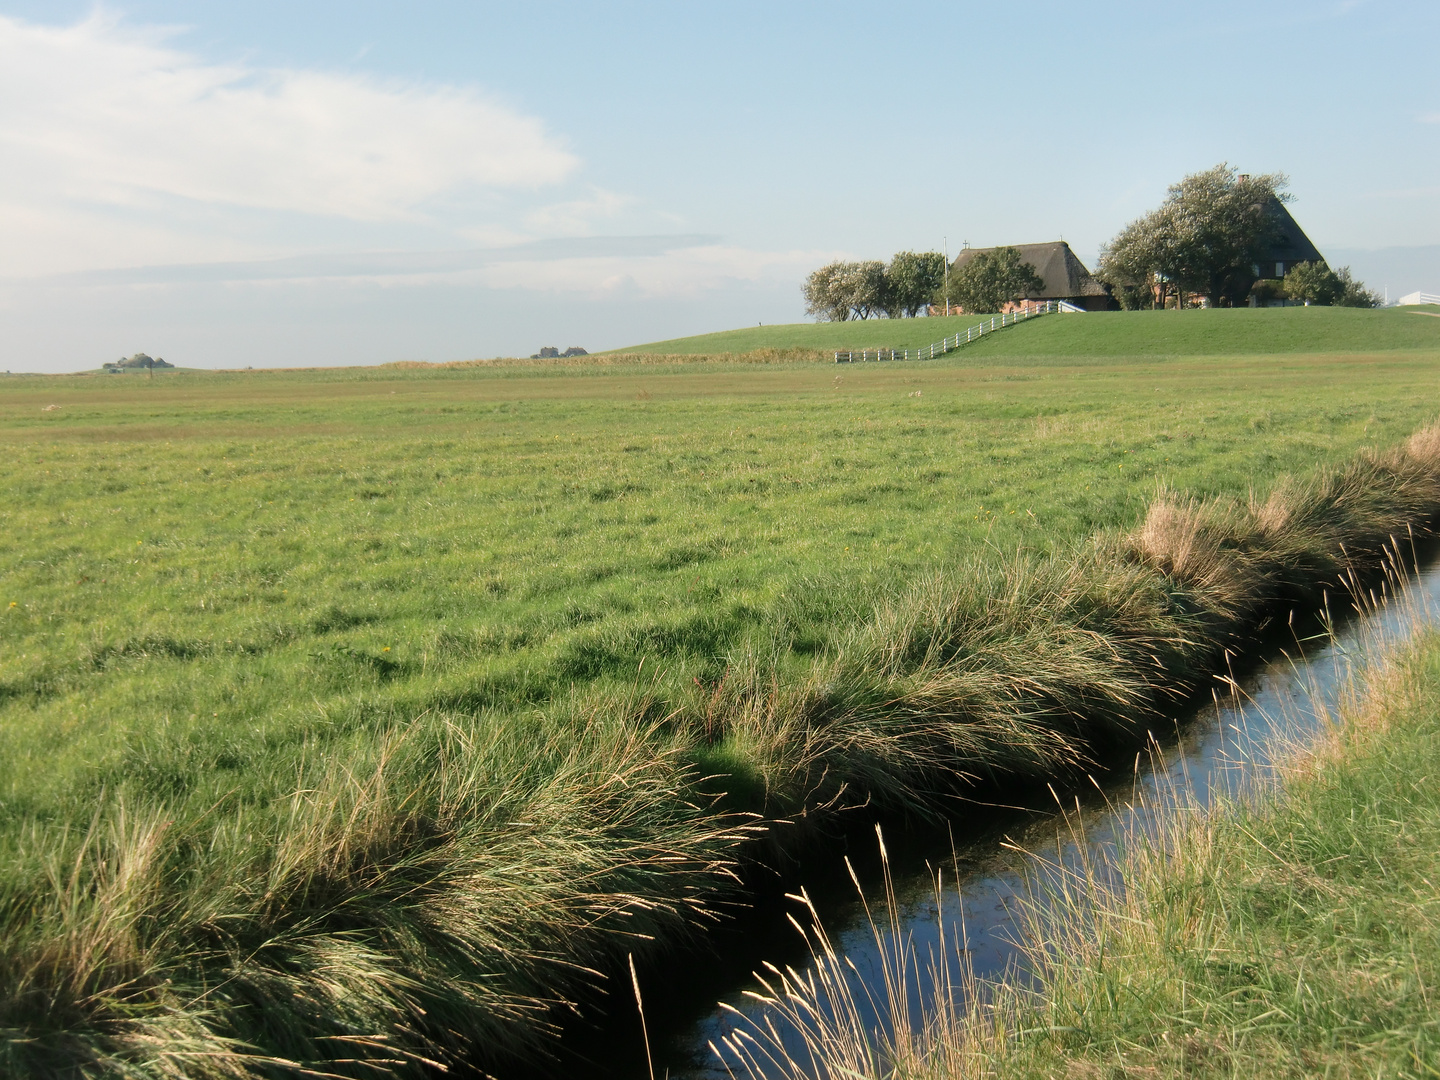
359,719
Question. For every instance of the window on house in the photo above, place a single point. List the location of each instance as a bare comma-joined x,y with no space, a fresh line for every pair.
1279,270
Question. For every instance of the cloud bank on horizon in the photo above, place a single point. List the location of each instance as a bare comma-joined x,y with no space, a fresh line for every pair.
615,177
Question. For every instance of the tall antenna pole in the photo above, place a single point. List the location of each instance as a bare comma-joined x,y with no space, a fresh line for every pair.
947,275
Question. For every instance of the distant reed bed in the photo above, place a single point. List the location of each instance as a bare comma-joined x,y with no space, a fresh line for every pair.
793,355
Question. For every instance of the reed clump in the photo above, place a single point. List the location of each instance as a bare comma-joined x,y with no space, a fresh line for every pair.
434,904
976,675
439,894
1244,559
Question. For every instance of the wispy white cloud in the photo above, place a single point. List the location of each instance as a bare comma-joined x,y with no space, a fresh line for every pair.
103,113
586,267
384,265
140,177
578,216
115,140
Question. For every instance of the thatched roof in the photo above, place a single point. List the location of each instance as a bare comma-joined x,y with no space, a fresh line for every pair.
1291,245
1064,275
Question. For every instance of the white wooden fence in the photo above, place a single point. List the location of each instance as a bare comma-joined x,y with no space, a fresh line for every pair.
974,333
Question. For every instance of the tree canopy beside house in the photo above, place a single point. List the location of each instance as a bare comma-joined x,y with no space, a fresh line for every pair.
992,279
1218,237
1204,239
912,281
1316,283
841,291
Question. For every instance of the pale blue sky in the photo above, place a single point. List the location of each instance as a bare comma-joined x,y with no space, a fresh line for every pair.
272,183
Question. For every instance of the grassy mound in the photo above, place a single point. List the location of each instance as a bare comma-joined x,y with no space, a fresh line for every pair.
1217,332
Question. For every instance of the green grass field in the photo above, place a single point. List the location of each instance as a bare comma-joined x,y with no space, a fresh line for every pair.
221,593
194,550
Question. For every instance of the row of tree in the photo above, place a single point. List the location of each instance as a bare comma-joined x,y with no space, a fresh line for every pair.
857,290
913,281
1205,239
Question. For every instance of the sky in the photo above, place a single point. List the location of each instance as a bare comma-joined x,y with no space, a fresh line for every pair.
282,184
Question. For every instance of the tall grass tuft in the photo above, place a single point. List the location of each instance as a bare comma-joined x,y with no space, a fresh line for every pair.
1287,928
433,904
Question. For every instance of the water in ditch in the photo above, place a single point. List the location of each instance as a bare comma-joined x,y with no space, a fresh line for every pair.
1212,750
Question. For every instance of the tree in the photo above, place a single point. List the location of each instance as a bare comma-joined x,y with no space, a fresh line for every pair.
1128,268
845,290
912,281
1202,239
823,297
1316,283
863,285
1312,283
993,279
1354,293
139,360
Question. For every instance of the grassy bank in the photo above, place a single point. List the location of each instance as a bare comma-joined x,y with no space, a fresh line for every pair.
1292,931
1217,332
1295,936
363,715
1292,939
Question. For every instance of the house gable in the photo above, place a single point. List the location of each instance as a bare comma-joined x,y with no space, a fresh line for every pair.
1290,245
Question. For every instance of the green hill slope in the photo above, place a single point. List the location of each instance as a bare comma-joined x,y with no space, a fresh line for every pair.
1227,331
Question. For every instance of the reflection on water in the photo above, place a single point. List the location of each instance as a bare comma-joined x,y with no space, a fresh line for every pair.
1232,741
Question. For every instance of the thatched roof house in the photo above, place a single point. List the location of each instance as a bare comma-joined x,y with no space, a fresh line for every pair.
1064,274
1289,247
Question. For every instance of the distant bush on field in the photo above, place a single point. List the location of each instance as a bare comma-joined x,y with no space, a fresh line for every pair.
550,352
139,360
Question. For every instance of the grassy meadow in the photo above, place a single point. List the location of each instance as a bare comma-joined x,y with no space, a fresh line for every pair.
338,705
1214,332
